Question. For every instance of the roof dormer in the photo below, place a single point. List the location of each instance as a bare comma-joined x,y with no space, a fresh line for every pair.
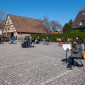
83,13
82,23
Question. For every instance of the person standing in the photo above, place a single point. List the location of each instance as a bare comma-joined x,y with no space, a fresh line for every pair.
46,41
30,41
38,40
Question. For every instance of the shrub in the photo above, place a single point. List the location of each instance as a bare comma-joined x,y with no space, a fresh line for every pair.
53,37
67,28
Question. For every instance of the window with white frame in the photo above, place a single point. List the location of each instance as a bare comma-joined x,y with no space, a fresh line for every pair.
82,23
83,13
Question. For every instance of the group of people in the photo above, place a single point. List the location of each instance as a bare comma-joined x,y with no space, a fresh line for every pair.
76,50
76,53
12,39
29,42
3,38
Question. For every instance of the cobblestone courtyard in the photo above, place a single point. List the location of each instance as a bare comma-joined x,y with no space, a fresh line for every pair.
40,65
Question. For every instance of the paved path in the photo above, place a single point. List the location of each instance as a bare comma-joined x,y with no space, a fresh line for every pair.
40,65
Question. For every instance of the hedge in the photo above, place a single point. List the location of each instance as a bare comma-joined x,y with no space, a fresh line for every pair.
53,37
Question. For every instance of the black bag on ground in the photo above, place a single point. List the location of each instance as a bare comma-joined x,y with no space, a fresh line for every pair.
24,44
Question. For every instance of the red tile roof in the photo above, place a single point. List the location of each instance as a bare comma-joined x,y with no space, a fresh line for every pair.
30,25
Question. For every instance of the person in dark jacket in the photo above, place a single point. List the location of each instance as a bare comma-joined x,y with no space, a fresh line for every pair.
25,44
38,40
30,41
12,39
46,41
76,53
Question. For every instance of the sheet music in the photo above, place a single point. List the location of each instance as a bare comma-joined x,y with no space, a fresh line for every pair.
66,46
0,32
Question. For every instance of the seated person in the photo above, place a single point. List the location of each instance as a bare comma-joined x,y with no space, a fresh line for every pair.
36,41
25,44
33,40
62,41
12,39
76,54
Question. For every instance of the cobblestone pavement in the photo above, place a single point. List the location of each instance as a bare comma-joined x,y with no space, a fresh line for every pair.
39,65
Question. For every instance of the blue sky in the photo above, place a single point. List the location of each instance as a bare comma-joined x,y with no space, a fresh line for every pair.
60,10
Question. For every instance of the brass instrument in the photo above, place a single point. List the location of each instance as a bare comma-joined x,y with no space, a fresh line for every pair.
72,45
71,42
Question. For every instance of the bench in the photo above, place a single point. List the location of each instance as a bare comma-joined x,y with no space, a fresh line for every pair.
80,62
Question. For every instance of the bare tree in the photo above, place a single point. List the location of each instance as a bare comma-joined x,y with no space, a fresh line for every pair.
51,25
55,26
46,24
2,16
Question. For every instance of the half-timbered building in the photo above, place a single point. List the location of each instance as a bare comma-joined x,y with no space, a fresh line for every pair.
23,26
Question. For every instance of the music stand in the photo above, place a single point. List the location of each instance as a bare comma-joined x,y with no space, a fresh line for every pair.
66,47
